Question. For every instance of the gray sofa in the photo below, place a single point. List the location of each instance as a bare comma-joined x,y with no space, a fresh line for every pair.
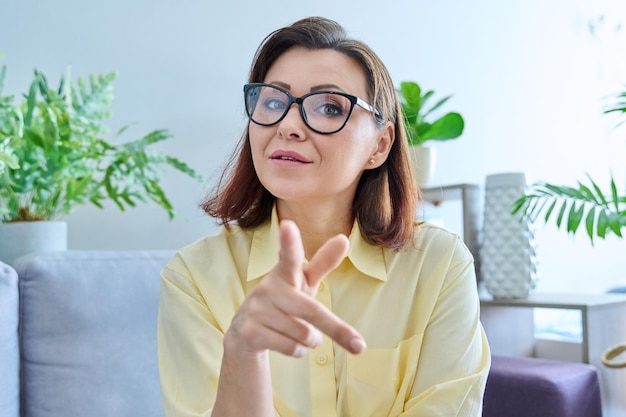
78,339
86,344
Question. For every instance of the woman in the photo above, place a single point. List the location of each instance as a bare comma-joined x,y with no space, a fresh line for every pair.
322,296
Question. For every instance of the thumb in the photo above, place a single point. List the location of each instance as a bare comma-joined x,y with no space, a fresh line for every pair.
291,256
327,258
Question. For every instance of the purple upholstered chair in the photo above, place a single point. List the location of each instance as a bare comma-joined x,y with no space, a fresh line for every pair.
533,387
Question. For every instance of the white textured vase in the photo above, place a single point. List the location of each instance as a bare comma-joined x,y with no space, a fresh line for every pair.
21,238
508,260
424,159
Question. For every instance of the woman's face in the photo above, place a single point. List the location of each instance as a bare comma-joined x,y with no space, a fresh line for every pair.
297,164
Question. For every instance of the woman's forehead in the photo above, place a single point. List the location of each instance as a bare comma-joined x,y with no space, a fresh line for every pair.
304,69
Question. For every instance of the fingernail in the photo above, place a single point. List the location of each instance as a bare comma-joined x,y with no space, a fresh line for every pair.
357,345
300,351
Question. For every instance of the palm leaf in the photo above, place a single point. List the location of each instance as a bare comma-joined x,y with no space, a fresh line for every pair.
601,213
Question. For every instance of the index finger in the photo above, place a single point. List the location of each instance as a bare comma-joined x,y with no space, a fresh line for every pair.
291,256
326,321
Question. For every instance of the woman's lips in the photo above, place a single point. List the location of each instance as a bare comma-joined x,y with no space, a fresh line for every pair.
288,158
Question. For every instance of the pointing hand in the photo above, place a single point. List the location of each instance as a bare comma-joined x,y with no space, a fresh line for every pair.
282,314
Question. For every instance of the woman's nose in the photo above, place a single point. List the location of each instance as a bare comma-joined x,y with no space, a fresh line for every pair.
292,126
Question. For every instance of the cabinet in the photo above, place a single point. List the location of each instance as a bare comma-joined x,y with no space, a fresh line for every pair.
509,326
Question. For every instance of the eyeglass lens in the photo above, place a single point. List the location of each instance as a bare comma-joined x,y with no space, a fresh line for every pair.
325,112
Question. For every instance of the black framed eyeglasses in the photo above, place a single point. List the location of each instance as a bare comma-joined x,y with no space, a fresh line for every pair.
324,112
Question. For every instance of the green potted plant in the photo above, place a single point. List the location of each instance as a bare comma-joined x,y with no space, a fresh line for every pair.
423,126
601,212
54,156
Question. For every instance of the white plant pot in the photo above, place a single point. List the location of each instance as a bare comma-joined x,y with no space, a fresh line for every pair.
424,160
21,238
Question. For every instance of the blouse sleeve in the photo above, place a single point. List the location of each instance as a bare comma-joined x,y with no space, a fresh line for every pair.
455,356
190,346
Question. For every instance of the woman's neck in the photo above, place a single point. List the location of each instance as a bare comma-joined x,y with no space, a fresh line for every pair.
317,222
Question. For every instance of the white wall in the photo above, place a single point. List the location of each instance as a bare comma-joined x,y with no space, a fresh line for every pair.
527,77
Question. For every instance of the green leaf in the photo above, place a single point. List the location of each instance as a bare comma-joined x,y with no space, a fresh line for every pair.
412,93
9,160
42,83
587,193
156,136
518,205
416,115
31,100
614,194
589,223
614,223
423,100
183,167
128,200
574,218
447,127
550,210
603,224
561,214
598,191
437,105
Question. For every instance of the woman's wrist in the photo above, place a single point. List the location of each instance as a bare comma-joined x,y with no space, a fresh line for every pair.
236,348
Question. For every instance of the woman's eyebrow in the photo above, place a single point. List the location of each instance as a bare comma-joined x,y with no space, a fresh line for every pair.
280,84
326,87
320,87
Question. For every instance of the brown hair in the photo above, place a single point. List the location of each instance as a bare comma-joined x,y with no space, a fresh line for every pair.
386,198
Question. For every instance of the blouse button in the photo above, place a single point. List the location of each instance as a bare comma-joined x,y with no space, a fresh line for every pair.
321,359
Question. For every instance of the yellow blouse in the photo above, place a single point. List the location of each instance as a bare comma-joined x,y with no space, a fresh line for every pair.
417,309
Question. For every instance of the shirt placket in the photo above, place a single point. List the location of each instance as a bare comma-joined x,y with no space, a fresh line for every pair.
322,369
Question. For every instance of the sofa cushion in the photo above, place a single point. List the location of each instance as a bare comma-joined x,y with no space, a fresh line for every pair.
88,333
9,349
525,387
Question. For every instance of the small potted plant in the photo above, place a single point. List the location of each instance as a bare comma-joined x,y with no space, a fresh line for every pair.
54,157
423,126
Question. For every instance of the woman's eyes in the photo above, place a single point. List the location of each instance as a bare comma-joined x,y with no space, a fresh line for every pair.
330,109
274,103
329,105
322,105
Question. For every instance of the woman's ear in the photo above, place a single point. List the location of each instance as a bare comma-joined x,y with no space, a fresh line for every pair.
386,137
